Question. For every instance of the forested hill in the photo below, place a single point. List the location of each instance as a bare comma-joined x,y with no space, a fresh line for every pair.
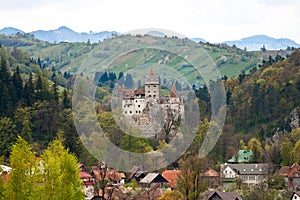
263,101
262,104
32,106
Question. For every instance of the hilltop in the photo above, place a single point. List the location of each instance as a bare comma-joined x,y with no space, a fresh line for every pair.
68,56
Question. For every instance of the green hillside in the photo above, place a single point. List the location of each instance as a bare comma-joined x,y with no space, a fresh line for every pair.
69,57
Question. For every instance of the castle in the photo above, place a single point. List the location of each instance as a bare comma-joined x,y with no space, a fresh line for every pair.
137,104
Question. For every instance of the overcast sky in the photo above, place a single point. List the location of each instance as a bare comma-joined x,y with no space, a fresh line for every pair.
212,20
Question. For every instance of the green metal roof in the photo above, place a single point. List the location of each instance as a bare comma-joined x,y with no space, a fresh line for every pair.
242,156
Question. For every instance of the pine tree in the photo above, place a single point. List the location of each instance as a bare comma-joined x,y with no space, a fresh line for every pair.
7,135
66,101
18,83
39,89
6,91
28,92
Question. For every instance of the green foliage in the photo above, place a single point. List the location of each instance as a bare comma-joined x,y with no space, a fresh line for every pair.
54,175
255,146
7,135
286,152
2,188
276,182
295,134
21,183
170,195
296,151
192,182
135,144
260,191
60,171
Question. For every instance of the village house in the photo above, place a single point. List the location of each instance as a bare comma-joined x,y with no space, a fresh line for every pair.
213,178
152,180
219,195
242,156
4,171
296,196
88,182
136,173
292,175
171,176
250,173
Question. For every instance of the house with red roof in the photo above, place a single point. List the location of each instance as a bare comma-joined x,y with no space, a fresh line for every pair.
213,177
88,182
292,175
171,176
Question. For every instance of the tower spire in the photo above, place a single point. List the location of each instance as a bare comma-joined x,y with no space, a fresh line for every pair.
151,72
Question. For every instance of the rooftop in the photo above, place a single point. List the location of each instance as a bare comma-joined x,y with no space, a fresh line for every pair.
153,178
248,168
210,195
171,176
242,156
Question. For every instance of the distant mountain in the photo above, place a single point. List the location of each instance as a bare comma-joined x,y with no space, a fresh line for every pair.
156,34
256,42
65,34
198,40
10,31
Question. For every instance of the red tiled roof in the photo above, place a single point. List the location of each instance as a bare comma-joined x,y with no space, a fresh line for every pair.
111,174
139,91
293,172
6,176
284,171
85,175
289,171
173,93
151,72
211,173
127,93
171,176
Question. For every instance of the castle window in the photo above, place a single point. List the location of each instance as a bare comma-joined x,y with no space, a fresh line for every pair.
139,111
148,86
139,106
130,112
154,86
149,95
136,111
136,101
154,96
125,112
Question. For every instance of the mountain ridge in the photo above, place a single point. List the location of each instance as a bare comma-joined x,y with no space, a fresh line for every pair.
65,34
256,42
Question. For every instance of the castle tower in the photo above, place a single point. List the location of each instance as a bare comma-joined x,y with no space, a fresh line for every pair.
151,86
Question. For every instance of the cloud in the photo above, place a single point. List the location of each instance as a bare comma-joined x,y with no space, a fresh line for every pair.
216,20
21,5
